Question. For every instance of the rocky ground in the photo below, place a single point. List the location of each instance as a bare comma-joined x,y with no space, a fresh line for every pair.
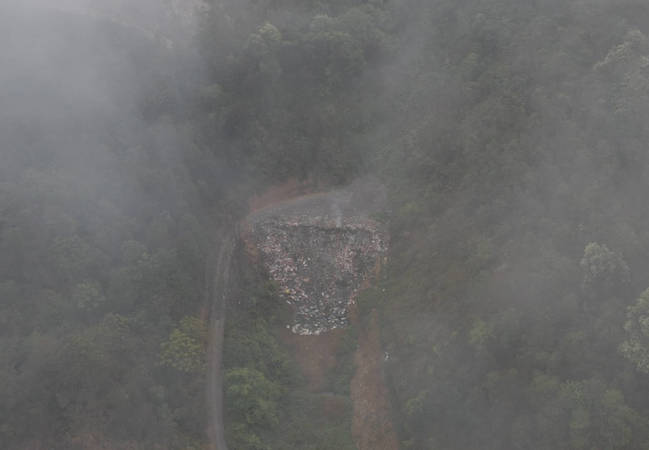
319,250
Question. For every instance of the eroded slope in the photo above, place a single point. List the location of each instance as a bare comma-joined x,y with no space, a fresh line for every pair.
319,250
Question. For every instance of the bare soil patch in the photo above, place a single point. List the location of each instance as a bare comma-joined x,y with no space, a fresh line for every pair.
371,423
315,354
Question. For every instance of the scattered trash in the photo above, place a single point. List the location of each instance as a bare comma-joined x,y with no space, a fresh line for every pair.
319,263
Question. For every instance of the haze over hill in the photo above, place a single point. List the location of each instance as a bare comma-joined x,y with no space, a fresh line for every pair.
507,144
173,19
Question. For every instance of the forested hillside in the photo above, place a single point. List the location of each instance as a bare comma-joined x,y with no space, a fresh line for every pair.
103,239
510,137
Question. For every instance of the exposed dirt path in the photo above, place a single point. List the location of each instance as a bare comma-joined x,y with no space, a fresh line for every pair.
218,288
372,427
371,424
315,355
291,188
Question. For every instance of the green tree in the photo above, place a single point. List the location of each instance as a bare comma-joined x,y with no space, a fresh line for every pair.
605,272
252,396
184,350
636,346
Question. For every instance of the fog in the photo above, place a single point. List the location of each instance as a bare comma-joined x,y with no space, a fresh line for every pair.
504,140
91,157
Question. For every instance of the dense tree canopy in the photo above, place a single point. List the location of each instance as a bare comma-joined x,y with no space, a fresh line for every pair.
510,135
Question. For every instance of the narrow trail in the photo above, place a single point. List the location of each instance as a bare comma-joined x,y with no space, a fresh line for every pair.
218,290
372,426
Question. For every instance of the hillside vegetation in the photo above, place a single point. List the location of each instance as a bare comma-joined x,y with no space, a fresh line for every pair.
510,135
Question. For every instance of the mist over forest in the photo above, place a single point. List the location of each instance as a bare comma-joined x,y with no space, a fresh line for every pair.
324,224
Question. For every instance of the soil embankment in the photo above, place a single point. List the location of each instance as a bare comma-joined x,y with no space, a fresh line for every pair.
371,426
321,250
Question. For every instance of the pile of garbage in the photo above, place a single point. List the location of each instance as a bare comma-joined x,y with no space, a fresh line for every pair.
319,257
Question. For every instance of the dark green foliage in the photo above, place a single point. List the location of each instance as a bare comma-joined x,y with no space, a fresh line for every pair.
635,346
491,127
511,136
102,244
268,404
493,285
295,93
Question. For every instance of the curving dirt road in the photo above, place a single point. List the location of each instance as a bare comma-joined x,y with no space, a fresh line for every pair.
218,288
336,210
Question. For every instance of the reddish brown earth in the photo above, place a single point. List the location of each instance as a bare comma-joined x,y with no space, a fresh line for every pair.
371,424
316,355
290,189
334,406
372,427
